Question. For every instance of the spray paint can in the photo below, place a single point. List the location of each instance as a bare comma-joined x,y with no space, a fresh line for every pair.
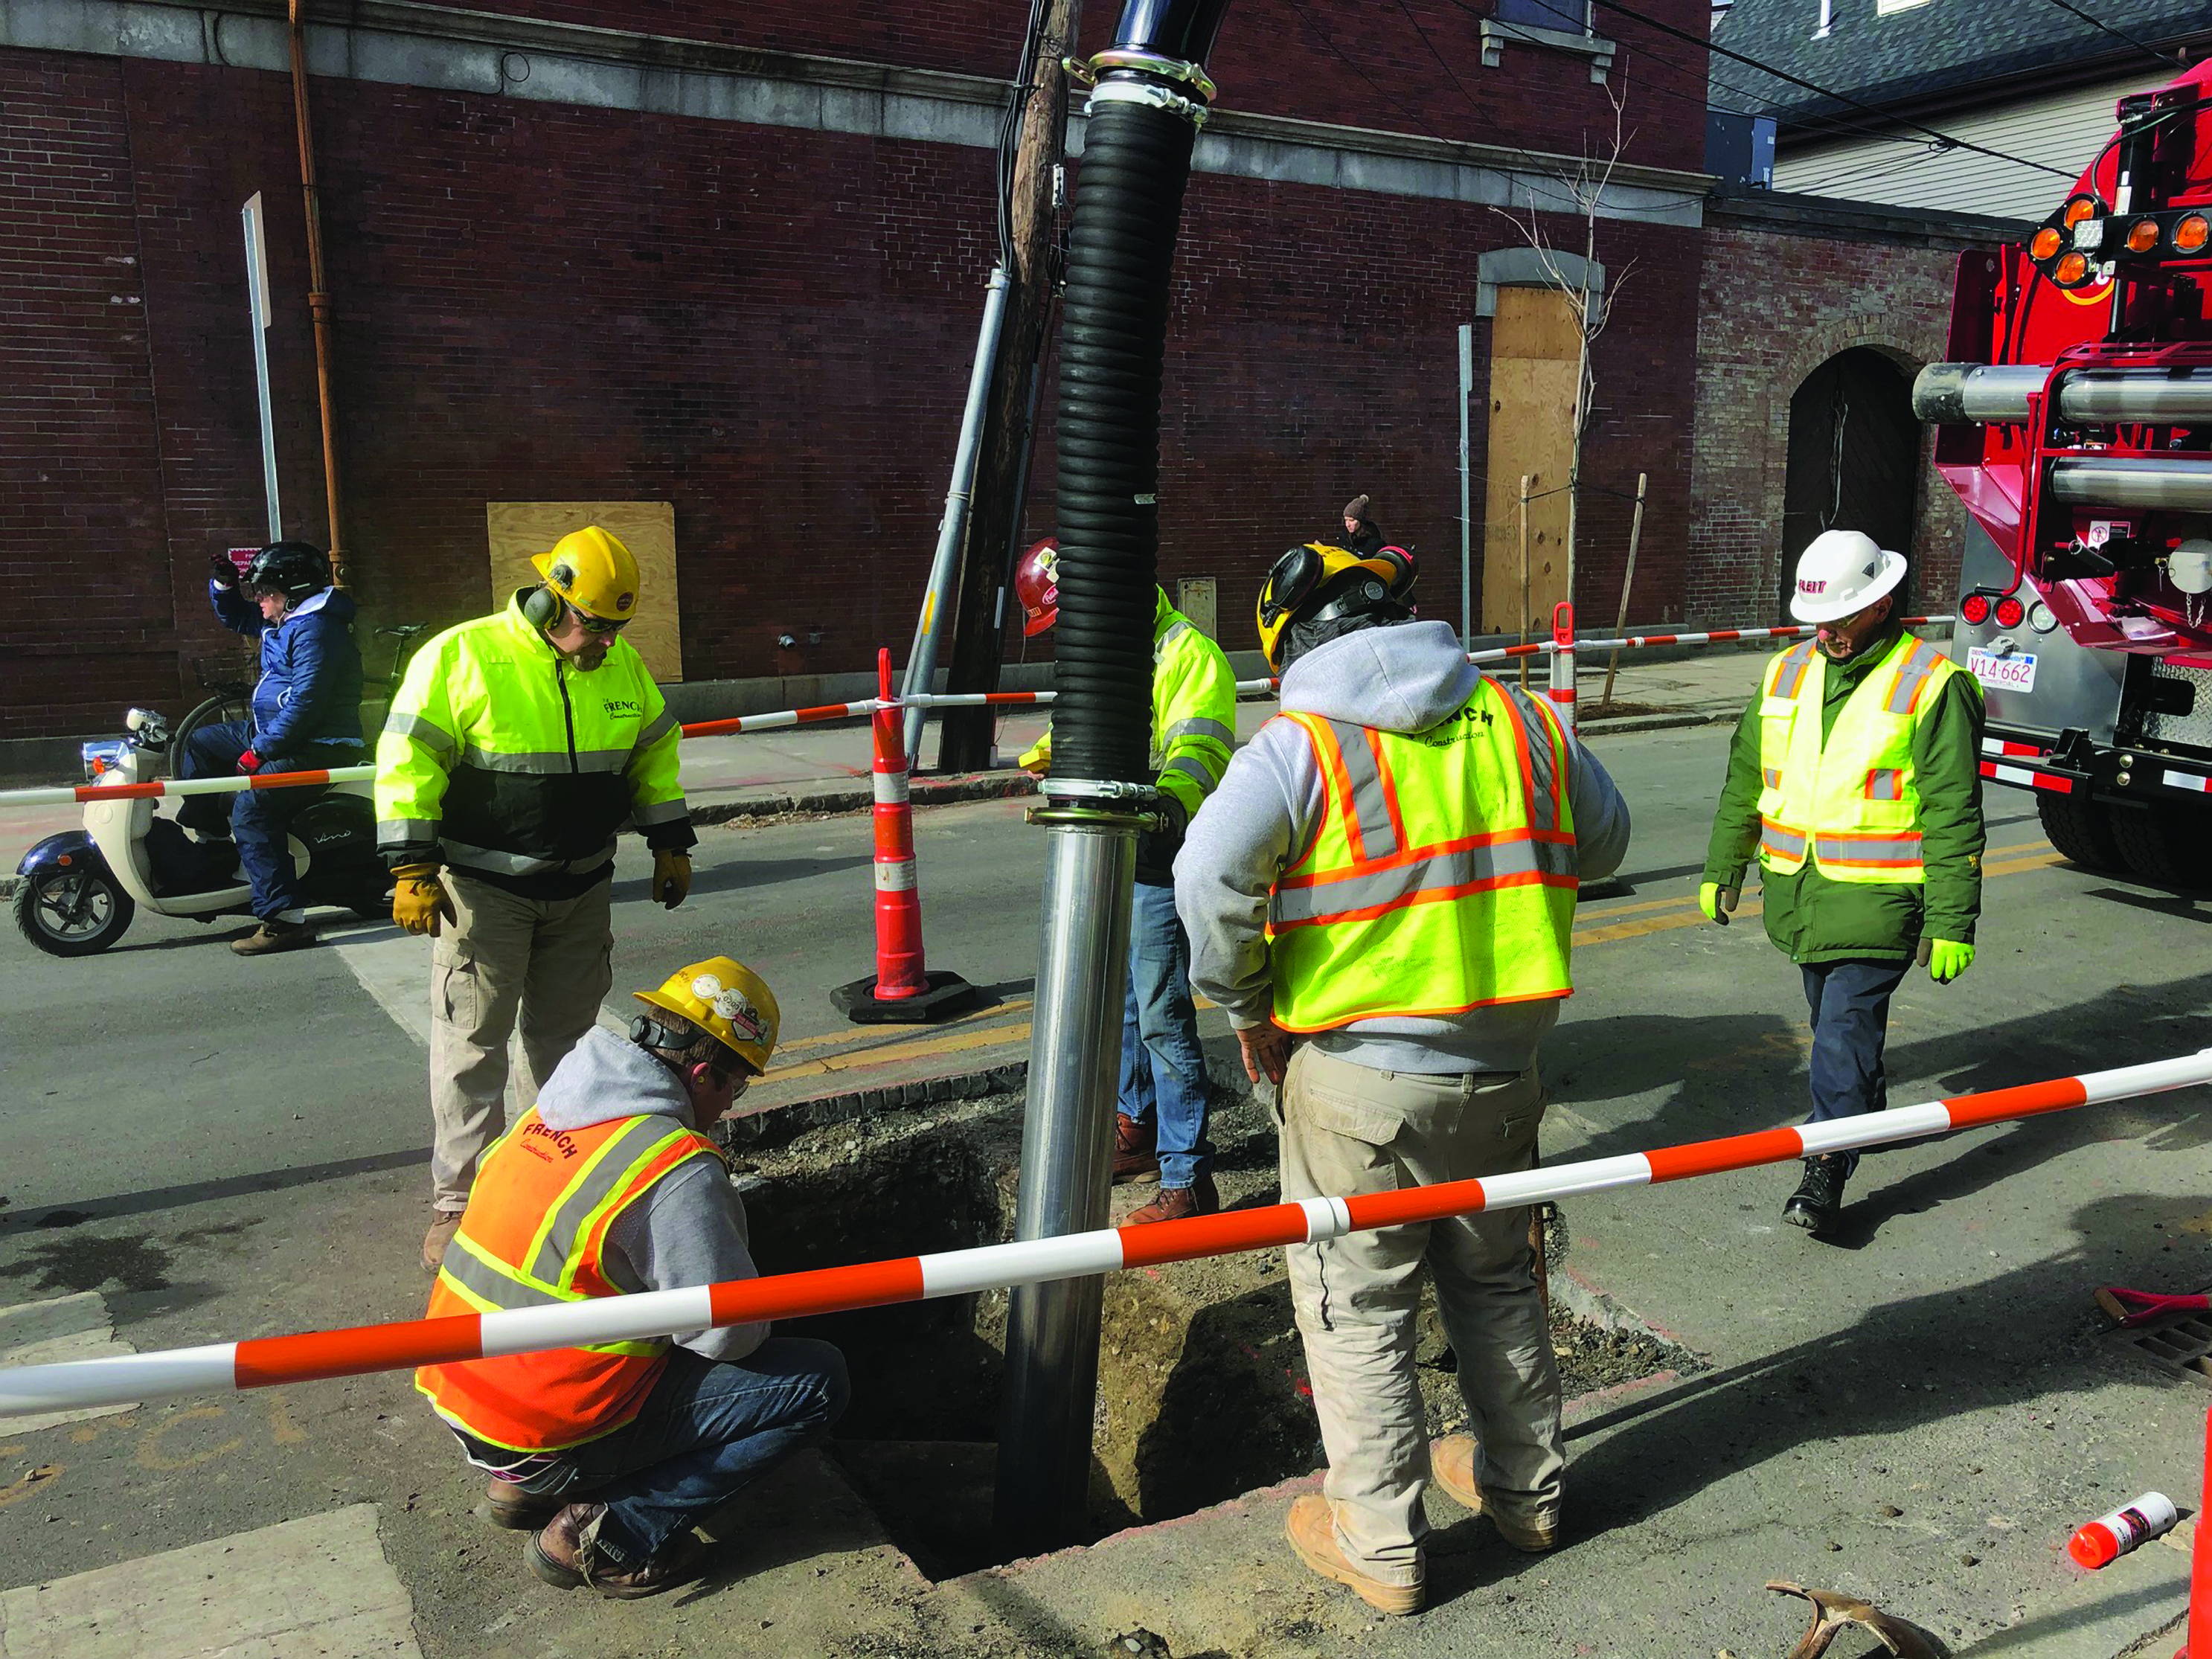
2111,1536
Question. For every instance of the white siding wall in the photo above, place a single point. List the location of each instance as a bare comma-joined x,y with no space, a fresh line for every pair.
2062,130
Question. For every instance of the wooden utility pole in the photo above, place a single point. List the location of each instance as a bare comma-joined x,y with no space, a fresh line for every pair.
964,743
319,293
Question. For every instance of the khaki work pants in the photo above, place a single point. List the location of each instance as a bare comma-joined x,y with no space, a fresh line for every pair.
1348,1129
549,961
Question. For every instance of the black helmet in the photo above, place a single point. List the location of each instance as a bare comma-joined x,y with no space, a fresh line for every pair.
295,569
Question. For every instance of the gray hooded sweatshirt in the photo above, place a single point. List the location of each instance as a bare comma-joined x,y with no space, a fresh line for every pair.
690,1228
1401,678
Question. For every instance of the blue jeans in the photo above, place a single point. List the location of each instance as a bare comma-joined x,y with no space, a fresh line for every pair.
1163,1067
259,822
710,1429
1850,1002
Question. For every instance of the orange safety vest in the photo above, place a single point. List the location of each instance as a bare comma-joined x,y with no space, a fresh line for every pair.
534,1236
1442,875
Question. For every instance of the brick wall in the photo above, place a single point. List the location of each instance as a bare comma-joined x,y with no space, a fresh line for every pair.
1783,293
768,327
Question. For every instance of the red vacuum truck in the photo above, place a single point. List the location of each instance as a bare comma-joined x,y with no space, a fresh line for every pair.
2075,423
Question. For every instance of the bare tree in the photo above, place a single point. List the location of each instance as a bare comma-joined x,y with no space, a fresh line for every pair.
1577,195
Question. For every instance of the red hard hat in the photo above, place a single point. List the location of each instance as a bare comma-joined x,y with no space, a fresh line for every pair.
1036,585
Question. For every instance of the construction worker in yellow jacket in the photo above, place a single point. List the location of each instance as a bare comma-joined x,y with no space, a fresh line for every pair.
1387,879
519,744
1160,1116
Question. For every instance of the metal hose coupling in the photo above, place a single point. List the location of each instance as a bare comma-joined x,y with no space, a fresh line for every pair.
1133,75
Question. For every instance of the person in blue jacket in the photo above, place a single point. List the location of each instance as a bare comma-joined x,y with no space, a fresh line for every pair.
307,716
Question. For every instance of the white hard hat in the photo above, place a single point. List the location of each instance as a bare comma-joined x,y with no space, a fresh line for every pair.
1841,572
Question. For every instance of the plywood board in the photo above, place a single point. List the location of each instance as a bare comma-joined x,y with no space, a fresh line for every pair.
1534,349
516,531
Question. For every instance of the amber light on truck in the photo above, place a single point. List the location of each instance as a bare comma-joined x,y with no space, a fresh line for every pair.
2071,271
2143,236
2192,233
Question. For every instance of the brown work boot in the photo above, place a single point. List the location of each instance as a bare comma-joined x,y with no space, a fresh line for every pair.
273,936
1134,1157
444,1223
1451,1461
1178,1203
566,1554
1312,1532
518,1510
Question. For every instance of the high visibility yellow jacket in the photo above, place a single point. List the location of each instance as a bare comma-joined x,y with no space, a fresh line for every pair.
500,759
1194,709
1847,798
1441,875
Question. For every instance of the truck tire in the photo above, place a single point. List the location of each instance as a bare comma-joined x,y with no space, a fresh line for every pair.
2082,830
2156,842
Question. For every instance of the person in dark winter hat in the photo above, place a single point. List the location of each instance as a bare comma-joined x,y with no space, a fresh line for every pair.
1361,534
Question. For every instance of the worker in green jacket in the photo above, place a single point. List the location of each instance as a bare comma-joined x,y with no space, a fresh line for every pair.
1160,1118
1855,774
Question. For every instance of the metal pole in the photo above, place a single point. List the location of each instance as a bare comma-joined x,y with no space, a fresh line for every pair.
952,528
1627,578
318,297
1067,1149
1466,520
1527,480
257,301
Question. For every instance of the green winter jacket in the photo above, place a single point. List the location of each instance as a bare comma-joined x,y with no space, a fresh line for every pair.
1813,919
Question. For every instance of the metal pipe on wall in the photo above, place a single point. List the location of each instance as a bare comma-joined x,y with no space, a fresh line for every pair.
1466,509
952,528
318,296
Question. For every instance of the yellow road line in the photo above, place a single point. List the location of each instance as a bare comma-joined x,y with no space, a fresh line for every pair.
1631,909
853,1034
951,1043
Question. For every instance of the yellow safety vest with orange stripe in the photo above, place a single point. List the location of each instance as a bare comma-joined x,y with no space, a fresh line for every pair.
1847,798
534,1236
1441,877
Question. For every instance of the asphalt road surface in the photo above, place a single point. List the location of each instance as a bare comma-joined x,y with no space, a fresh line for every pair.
199,1147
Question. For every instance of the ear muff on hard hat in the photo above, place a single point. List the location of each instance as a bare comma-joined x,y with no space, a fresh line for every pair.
727,999
592,570
1308,583
1840,574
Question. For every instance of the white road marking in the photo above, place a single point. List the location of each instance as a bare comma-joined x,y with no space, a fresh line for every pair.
319,1587
48,1333
394,968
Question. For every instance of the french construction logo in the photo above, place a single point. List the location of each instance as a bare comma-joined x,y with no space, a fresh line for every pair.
625,708
563,1142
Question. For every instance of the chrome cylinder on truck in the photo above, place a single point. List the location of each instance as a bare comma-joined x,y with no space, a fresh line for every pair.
1997,394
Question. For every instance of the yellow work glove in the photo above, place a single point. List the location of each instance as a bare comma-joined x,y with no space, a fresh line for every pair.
1947,959
671,876
1715,901
418,898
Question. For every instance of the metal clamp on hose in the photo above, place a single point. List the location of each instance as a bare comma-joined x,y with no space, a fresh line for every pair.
1151,95
1155,65
1100,804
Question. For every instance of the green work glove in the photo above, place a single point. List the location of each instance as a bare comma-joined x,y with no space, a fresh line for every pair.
1947,959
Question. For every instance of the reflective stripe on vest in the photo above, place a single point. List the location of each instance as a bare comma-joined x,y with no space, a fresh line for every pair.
1846,798
1441,876
534,1236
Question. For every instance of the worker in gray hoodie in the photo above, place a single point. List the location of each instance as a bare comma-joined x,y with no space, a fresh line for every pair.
612,1184
1382,895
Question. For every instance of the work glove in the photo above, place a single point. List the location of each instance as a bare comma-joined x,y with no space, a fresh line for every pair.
671,876
1716,901
220,571
1156,848
419,899
1947,959
248,762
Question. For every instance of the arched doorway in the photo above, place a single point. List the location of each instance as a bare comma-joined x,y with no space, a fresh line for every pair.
1854,458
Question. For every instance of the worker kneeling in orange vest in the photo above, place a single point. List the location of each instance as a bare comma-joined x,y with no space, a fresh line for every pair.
610,1185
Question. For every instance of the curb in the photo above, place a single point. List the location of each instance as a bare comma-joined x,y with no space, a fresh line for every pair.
778,1125
939,792
1655,722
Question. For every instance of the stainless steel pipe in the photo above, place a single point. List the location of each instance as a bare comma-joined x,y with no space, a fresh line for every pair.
1997,394
2179,483
1067,1151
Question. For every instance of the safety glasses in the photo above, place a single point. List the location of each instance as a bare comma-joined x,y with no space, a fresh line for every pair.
600,625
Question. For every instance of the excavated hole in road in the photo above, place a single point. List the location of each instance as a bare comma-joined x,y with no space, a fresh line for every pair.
1202,1393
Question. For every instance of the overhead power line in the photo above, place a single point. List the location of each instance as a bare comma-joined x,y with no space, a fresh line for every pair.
2168,59
1649,22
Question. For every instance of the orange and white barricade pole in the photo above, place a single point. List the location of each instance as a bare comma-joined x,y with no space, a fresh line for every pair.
901,990
1562,689
262,1362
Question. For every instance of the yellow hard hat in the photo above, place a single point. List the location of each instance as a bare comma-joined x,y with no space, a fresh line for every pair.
1304,573
728,1000
593,571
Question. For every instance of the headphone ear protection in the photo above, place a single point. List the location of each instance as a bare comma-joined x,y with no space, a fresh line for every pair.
1290,583
542,605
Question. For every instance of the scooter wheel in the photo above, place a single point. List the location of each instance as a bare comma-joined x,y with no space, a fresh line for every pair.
72,913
